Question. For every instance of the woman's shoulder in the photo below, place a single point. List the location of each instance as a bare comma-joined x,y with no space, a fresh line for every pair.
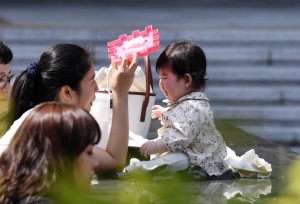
5,140
17,123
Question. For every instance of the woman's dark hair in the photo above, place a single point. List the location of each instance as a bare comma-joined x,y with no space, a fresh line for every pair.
183,58
6,54
59,65
41,155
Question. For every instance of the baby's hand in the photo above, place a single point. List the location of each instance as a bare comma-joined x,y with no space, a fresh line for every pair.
156,112
148,148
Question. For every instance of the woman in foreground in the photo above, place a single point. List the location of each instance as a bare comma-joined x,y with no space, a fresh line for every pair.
51,157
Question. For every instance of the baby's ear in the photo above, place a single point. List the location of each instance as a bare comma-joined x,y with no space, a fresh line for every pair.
188,80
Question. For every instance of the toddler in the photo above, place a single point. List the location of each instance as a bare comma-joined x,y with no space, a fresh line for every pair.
187,121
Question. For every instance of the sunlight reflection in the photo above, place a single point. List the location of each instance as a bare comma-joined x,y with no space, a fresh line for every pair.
218,191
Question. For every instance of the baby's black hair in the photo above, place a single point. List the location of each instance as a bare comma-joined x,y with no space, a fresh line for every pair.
185,57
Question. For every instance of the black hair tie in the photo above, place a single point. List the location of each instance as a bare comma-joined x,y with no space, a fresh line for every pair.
32,70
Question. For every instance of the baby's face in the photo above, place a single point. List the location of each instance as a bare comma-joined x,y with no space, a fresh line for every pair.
172,86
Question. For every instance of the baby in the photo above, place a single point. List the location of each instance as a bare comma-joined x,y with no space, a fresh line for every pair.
187,121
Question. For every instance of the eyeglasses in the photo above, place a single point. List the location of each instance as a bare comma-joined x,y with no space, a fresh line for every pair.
4,79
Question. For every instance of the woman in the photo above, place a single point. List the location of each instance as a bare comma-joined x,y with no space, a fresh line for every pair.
50,156
6,78
65,73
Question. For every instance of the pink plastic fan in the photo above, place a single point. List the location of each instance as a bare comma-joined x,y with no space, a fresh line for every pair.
143,43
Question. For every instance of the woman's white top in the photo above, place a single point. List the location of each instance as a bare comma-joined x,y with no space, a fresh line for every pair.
5,140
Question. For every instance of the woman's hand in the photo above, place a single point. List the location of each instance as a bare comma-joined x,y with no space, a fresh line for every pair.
122,76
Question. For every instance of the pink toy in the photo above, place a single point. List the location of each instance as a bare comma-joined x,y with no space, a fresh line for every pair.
143,43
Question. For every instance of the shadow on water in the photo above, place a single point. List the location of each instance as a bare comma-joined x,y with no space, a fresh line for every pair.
238,190
221,191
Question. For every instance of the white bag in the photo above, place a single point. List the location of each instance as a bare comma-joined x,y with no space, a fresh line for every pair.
140,101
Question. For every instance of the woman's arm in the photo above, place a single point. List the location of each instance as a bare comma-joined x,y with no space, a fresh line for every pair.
114,157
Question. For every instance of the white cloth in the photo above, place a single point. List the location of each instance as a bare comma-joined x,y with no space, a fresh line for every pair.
247,165
136,140
138,84
251,188
188,126
176,161
6,138
244,190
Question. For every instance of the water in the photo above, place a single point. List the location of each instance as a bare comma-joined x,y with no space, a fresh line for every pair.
242,190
